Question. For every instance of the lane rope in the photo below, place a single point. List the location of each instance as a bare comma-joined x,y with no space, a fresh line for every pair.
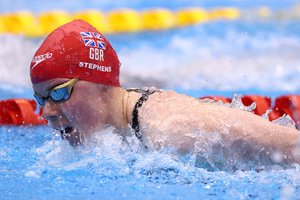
128,20
25,111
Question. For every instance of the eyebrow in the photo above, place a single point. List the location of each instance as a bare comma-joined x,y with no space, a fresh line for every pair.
48,90
51,88
55,85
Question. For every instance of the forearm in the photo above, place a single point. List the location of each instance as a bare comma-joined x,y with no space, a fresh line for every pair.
272,139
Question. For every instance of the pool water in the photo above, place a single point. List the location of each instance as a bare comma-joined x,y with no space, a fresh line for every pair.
34,165
216,58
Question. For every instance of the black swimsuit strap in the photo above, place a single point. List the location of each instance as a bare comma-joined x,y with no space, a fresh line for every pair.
135,112
135,116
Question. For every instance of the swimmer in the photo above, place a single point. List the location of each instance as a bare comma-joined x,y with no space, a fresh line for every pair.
75,77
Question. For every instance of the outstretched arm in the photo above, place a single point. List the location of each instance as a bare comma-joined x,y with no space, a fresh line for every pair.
174,120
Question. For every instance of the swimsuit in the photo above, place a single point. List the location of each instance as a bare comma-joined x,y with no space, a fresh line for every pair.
135,113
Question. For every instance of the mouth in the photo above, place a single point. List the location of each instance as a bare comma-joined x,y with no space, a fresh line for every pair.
66,133
72,135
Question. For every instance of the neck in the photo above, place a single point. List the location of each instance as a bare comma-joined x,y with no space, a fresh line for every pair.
122,107
129,101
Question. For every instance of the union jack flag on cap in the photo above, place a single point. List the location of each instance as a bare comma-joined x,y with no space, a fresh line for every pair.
80,54
92,39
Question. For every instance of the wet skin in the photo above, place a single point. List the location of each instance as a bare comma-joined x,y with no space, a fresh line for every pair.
76,115
167,119
90,107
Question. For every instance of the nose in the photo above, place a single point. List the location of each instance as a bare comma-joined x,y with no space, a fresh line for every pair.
50,110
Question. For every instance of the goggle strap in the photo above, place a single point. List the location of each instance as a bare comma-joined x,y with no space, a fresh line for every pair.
70,83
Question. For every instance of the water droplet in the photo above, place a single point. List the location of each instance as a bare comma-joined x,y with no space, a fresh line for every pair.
56,133
266,114
207,187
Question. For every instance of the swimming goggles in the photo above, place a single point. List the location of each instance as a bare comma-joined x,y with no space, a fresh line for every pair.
59,93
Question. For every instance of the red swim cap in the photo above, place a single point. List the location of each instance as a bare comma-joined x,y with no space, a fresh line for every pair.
76,50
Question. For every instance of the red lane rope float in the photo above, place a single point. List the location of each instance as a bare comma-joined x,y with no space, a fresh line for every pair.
288,104
263,103
217,98
19,112
22,111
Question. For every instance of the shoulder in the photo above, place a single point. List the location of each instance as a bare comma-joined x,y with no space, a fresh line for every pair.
169,106
166,97
166,117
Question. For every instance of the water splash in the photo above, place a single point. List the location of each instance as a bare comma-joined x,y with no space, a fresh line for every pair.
111,162
213,101
266,114
285,120
238,57
237,103
108,155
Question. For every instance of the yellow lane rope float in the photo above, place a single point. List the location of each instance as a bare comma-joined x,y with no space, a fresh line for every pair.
128,20
191,16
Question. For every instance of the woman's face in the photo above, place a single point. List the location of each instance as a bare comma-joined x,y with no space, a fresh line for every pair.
79,116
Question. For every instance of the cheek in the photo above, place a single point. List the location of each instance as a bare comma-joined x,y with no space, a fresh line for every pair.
74,109
82,112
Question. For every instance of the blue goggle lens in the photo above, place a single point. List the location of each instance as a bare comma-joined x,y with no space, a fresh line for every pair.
61,94
40,100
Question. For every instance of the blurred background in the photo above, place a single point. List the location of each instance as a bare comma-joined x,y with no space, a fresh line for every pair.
193,47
